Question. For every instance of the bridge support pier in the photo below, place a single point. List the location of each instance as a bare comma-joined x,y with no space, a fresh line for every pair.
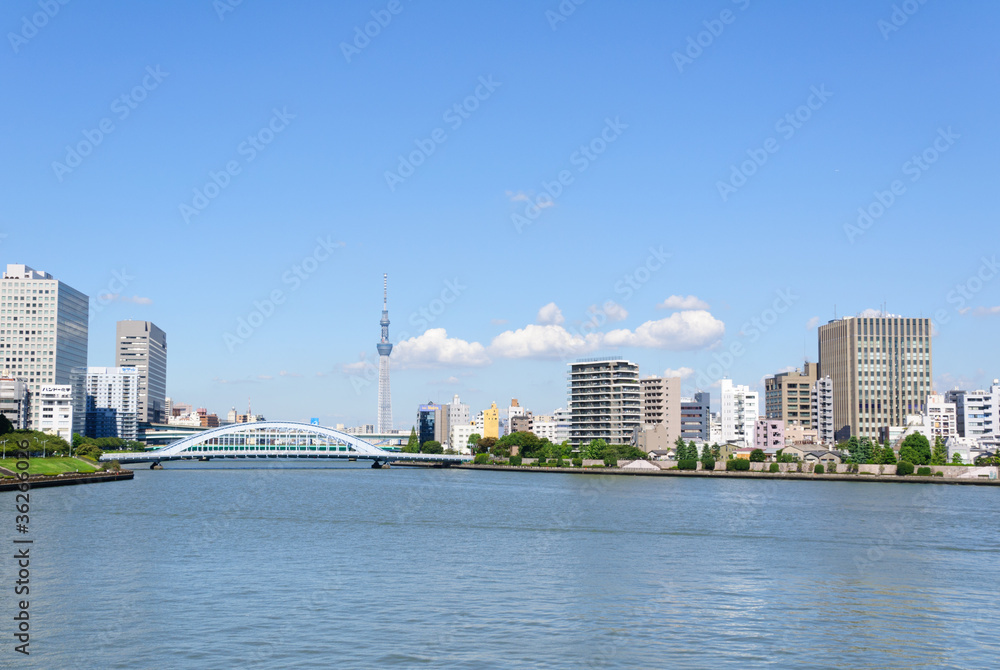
155,465
377,464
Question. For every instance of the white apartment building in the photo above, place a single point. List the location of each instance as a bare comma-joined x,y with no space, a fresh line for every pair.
977,412
605,401
545,426
563,418
940,420
459,437
821,402
54,403
739,411
113,402
43,336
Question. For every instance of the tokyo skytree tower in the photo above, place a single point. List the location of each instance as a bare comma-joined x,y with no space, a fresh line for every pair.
384,349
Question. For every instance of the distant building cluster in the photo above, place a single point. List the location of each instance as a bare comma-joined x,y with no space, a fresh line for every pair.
873,379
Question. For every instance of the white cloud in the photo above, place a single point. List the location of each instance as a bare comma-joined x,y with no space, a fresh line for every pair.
680,302
612,310
264,377
498,322
987,311
693,329
434,349
682,372
285,373
542,341
520,196
812,323
550,315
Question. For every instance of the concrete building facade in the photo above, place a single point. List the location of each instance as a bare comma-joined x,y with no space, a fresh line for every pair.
113,403
143,346
55,410
821,402
661,406
604,398
769,434
787,395
881,367
15,401
740,409
696,417
43,332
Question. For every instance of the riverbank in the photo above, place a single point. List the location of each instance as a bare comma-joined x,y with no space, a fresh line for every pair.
730,474
68,479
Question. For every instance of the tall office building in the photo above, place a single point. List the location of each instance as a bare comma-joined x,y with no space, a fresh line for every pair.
739,411
605,401
881,367
491,422
787,396
43,332
384,349
431,423
696,417
113,402
143,346
660,403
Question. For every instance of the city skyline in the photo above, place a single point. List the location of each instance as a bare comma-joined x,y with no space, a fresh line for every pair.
681,205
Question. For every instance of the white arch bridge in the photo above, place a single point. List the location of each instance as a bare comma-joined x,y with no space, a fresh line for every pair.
265,440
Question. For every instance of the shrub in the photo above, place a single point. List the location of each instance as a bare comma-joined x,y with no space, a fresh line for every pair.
687,464
774,468
708,464
481,459
738,464
904,468
577,462
515,460
758,456
819,469
560,463
611,461
541,462
924,471
939,473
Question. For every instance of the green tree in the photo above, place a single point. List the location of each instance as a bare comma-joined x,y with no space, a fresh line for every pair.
412,445
757,456
915,449
851,447
5,425
485,445
956,459
884,455
940,454
716,451
473,441
595,449
706,452
865,450
431,447
680,448
692,451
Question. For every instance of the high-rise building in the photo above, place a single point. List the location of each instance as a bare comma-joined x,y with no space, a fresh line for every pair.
881,367
544,426
605,401
458,440
384,349
143,346
977,412
739,411
15,401
661,413
432,423
787,396
43,332
491,422
564,421
696,417
821,402
113,402
458,412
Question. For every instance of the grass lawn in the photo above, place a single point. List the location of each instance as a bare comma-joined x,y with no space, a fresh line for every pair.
49,466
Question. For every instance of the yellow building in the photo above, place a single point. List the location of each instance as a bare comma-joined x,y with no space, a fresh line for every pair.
491,422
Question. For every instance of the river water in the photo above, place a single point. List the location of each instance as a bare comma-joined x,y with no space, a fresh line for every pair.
214,566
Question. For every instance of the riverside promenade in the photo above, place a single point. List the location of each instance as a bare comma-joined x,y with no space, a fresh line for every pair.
68,479
973,476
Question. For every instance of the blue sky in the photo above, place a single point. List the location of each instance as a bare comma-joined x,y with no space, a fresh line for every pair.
641,126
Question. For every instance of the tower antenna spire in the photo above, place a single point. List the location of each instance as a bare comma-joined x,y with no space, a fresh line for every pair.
384,349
